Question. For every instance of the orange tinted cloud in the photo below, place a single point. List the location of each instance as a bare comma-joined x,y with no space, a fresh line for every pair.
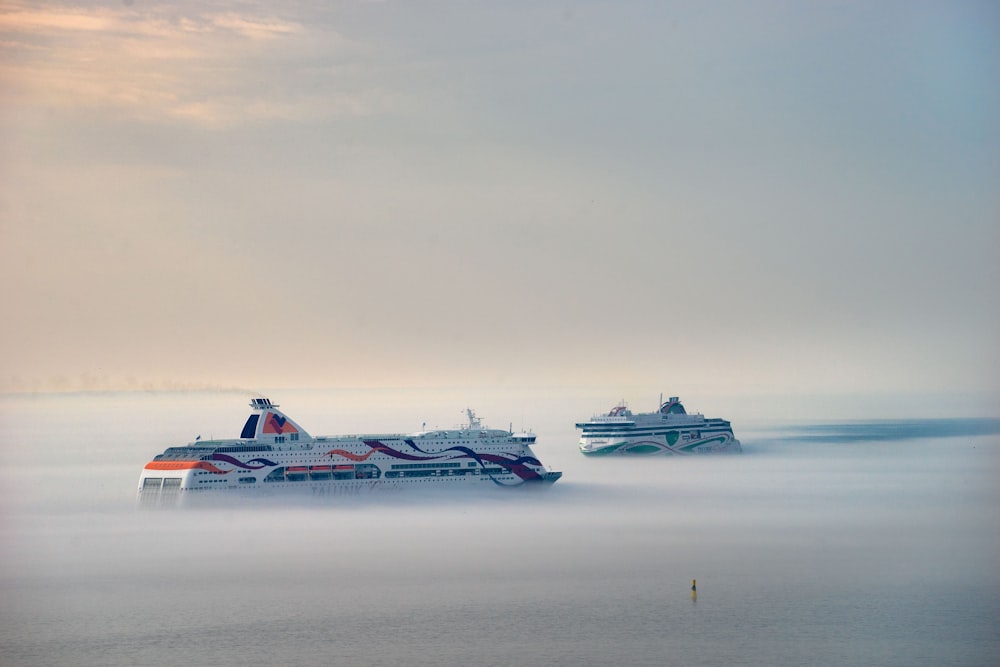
147,64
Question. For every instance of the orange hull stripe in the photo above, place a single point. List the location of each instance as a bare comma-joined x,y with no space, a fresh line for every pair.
181,465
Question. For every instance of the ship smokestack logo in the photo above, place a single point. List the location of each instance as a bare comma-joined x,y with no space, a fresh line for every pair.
278,424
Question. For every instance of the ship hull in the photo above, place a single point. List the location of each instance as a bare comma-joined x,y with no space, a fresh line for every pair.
670,431
155,496
669,443
274,457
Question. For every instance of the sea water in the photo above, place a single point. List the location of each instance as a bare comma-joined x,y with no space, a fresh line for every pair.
835,543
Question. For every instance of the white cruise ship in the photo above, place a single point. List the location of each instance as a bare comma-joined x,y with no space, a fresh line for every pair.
669,430
275,454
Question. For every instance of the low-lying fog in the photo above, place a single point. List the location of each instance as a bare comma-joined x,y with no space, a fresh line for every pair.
825,543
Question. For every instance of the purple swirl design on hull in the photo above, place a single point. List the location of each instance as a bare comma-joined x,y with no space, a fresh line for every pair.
379,446
263,463
517,466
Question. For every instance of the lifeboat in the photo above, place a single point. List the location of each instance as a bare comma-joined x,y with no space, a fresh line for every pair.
296,473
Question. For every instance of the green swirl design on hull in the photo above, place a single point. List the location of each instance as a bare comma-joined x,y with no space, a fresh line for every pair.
646,450
722,439
603,451
643,449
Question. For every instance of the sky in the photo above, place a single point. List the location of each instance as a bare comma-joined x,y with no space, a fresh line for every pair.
773,197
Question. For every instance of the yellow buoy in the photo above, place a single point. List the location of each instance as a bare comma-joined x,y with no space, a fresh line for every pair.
694,589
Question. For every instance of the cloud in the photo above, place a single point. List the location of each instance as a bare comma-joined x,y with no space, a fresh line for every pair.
167,64
255,28
48,22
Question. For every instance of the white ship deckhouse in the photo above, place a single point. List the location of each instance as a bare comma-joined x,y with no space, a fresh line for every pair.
275,454
669,430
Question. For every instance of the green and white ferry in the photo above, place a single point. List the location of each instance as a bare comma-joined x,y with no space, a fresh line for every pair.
669,430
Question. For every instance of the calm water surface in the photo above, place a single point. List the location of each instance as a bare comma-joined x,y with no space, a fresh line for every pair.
824,544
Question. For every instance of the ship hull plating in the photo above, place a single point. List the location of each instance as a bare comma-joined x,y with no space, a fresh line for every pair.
653,445
670,430
274,456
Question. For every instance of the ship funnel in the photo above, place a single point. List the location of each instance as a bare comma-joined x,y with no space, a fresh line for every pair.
267,422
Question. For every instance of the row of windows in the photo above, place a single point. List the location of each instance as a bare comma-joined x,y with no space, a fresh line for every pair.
362,471
365,471
649,431
447,472
184,453
245,448
414,466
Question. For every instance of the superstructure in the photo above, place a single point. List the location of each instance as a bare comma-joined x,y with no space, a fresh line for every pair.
275,454
669,430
